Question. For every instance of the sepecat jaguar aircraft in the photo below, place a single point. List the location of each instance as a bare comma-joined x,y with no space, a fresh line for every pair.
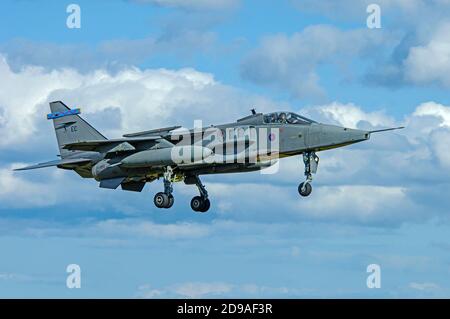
175,154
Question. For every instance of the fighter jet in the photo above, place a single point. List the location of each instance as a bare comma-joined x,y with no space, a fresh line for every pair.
175,154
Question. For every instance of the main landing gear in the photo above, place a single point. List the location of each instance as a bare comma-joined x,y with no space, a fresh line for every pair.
311,161
165,199
200,203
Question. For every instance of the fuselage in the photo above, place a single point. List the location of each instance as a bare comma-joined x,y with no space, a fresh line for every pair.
175,154
250,144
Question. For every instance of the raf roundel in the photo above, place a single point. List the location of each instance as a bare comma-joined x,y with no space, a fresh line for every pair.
272,137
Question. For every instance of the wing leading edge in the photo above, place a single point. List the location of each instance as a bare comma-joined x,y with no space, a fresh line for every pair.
116,145
55,163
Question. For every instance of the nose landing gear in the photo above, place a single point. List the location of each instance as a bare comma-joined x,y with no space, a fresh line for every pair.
311,161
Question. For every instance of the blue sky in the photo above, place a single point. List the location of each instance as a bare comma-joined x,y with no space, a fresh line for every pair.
137,65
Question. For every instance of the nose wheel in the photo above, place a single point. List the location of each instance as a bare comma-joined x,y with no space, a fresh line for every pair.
311,161
305,189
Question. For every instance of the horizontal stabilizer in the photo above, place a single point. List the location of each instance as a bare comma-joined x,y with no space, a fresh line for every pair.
61,162
111,183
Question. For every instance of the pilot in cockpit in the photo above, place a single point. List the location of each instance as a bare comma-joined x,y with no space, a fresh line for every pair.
273,118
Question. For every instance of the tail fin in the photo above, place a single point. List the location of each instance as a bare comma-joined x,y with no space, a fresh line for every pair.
70,127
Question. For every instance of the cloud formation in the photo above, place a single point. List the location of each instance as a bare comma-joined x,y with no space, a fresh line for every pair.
430,62
130,100
290,63
411,48
382,172
193,4
216,290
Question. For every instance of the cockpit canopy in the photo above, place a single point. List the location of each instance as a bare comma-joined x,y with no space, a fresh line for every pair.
286,118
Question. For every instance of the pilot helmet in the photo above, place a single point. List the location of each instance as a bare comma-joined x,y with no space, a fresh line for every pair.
273,118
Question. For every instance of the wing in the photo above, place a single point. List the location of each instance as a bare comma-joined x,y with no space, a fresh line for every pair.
158,131
55,163
115,145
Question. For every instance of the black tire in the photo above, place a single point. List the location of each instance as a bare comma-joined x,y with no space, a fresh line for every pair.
197,203
305,192
206,205
161,200
171,201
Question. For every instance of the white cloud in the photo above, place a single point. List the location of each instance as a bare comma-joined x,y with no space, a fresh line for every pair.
6,276
112,231
382,171
364,204
348,115
357,202
186,290
216,290
137,99
150,229
430,62
433,109
182,39
290,62
201,289
356,10
425,286
415,47
18,192
194,4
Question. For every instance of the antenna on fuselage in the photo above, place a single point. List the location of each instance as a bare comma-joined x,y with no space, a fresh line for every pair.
253,111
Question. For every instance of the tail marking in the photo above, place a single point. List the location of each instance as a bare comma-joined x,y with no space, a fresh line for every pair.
57,115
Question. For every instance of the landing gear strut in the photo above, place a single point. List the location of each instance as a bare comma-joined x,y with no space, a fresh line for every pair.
165,199
311,161
200,203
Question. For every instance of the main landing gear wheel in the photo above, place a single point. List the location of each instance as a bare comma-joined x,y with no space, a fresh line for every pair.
200,204
163,200
171,201
304,189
